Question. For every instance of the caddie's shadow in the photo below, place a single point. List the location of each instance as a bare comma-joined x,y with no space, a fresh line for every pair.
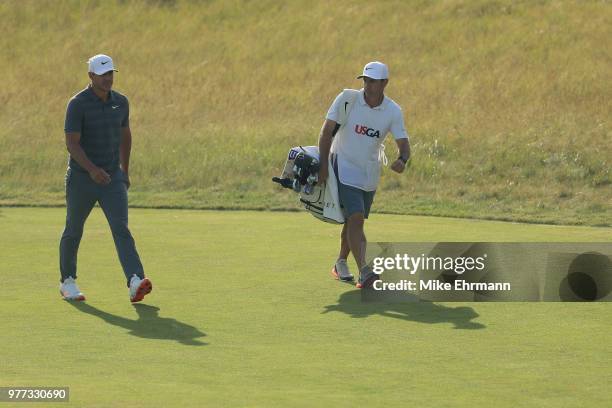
352,304
148,325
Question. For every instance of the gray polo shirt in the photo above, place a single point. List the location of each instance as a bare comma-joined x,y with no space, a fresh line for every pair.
99,124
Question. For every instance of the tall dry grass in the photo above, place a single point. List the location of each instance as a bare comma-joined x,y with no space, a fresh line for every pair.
507,103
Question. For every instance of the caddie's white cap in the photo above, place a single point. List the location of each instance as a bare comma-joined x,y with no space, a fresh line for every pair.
101,64
375,70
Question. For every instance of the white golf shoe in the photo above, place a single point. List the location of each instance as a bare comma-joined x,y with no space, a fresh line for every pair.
70,291
139,288
340,271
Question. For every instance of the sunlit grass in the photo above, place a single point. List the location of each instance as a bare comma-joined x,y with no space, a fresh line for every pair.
507,103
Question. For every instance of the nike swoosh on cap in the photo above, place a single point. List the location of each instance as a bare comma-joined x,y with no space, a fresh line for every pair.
104,63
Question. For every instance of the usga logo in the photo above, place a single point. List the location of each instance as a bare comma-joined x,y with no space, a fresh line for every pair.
366,131
293,154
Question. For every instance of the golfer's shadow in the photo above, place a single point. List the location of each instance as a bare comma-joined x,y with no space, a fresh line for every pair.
352,304
148,325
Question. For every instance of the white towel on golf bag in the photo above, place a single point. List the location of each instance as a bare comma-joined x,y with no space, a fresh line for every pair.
331,208
323,202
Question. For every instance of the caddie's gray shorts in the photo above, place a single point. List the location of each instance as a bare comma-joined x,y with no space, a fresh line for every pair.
354,200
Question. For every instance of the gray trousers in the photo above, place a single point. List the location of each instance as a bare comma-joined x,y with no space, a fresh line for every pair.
82,193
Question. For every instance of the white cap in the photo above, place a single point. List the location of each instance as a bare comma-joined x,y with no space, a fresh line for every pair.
375,70
101,64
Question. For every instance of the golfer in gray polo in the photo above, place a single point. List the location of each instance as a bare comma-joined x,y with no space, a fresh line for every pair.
99,141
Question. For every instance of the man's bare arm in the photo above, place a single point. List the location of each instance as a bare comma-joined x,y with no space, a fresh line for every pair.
325,142
125,149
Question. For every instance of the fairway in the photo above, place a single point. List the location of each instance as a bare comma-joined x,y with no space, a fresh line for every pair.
244,312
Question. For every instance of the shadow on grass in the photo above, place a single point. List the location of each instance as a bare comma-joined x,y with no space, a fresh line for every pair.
352,304
148,325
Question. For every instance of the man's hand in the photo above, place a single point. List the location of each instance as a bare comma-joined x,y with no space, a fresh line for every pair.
323,173
128,183
99,176
401,163
398,166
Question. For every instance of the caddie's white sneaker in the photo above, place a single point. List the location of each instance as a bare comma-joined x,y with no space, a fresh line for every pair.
341,272
70,291
139,288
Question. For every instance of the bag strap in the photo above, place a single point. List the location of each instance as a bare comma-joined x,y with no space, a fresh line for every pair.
349,96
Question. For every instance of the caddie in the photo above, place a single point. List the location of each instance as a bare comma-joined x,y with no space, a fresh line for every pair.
357,153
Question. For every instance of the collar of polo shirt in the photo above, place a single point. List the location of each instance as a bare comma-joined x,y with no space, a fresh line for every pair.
362,101
93,95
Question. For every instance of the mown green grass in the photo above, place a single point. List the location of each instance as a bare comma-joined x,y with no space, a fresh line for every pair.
248,315
507,102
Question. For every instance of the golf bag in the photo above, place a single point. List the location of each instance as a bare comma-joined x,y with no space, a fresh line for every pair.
301,174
